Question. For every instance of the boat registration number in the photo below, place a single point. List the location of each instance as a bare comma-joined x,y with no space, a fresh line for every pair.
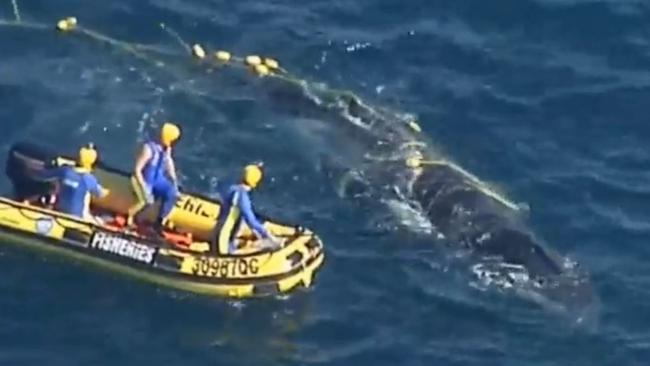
225,267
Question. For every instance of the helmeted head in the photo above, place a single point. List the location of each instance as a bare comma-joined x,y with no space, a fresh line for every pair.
87,157
169,133
252,175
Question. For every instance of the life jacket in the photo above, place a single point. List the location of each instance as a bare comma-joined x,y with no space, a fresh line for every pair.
154,168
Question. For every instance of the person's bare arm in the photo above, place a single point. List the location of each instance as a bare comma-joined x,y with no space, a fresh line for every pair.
171,168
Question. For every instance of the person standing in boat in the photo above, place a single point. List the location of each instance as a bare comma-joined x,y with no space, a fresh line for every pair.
235,205
154,176
76,184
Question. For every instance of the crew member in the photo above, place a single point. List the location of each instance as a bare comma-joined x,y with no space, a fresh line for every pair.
76,184
236,204
154,175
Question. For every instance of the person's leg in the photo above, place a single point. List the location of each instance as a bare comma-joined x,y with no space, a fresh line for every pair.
227,230
164,190
141,195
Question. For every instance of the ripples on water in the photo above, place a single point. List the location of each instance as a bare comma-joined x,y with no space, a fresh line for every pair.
545,98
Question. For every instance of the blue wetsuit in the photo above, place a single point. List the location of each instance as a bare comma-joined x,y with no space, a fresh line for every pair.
236,204
75,187
157,184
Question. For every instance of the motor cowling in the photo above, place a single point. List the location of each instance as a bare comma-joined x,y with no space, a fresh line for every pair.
24,161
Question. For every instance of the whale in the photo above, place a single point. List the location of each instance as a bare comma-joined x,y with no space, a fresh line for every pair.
375,156
467,216
380,158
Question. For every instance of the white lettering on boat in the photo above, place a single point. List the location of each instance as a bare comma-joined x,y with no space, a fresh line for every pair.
122,247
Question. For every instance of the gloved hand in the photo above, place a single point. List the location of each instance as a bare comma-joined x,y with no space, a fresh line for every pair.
270,243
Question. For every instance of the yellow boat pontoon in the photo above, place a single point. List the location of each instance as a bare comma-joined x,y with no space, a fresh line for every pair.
180,259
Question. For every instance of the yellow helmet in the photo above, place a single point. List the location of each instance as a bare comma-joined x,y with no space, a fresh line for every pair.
169,133
87,156
252,175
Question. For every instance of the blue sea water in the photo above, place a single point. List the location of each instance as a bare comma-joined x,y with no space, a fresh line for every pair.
546,99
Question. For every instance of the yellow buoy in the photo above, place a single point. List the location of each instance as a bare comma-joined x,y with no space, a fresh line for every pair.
414,162
198,51
253,60
66,24
271,63
261,70
222,56
62,25
415,126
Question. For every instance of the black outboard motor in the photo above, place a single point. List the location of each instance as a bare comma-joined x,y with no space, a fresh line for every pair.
24,161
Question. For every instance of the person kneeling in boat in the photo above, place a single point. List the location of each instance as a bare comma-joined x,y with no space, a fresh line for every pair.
76,184
154,176
236,204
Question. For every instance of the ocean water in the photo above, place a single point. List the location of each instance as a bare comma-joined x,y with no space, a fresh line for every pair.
545,99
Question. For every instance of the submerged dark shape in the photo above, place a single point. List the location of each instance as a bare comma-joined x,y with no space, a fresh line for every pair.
462,210
469,216
366,153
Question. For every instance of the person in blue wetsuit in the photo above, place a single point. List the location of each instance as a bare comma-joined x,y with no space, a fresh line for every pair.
76,184
235,205
154,176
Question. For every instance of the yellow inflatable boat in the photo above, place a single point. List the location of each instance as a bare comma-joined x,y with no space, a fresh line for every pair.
180,259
